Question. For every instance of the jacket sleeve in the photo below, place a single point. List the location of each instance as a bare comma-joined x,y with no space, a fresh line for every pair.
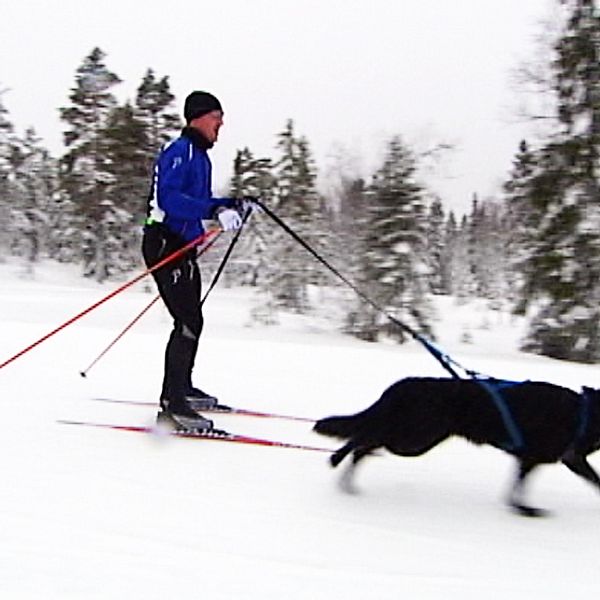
214,204
173,169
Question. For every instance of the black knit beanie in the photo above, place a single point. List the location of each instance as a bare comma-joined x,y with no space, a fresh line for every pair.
198,104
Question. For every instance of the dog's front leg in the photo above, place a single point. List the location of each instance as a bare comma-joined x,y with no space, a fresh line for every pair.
579,465
346,481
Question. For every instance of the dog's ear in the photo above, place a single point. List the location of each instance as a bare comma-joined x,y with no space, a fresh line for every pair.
588,391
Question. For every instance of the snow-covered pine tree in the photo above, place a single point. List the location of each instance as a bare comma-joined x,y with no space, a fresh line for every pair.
85,177
457,276
254,262
299,205
154,107
463,281
435,225
251,262
33,199
494,258
564,278
448,266
6,150
522,219
395,259
360,317
343,211
349,248
344,205
476,241
123,142
487,250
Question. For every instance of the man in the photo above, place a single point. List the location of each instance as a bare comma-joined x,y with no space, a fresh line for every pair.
180,199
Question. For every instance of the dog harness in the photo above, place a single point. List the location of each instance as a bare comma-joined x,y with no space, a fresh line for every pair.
494,388
516,443
584,418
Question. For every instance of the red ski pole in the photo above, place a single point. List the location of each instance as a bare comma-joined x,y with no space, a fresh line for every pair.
125,330
201,250
204,237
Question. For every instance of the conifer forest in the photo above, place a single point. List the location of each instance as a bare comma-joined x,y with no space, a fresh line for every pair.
534,250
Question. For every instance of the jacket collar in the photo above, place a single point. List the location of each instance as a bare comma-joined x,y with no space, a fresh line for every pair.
196,138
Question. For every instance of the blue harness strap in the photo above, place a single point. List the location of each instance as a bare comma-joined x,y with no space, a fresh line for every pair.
494,387
584,417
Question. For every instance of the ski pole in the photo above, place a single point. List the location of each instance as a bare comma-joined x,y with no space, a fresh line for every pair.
205,236
125,330
201,250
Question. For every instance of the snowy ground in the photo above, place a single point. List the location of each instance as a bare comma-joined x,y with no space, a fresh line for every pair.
103,514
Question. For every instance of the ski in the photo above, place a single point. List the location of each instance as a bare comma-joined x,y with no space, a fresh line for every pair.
215,434
220,408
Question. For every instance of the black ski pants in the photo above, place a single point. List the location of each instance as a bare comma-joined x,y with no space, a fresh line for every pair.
180,287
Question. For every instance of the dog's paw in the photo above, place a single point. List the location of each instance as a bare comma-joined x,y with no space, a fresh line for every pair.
336,458
528,511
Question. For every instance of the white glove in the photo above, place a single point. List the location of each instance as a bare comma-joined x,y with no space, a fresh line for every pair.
229,219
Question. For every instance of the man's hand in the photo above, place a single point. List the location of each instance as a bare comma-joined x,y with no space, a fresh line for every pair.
229,219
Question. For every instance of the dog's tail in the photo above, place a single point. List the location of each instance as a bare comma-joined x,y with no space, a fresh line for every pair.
339,427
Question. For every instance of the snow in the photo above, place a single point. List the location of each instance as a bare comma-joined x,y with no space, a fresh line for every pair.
88,513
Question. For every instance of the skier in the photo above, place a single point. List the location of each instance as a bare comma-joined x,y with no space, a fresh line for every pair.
180,199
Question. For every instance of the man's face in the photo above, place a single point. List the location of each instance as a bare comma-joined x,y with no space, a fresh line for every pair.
209,124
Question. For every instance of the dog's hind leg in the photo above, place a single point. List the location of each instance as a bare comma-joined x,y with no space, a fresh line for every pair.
361,452
346,481
515,498
579,465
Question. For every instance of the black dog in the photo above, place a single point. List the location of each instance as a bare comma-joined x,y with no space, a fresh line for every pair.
534,421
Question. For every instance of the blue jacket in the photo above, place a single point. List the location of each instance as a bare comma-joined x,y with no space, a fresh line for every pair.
181,191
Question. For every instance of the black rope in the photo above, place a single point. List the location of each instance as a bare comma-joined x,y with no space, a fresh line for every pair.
446,361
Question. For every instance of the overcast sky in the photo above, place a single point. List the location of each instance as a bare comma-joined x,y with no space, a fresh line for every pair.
351,73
